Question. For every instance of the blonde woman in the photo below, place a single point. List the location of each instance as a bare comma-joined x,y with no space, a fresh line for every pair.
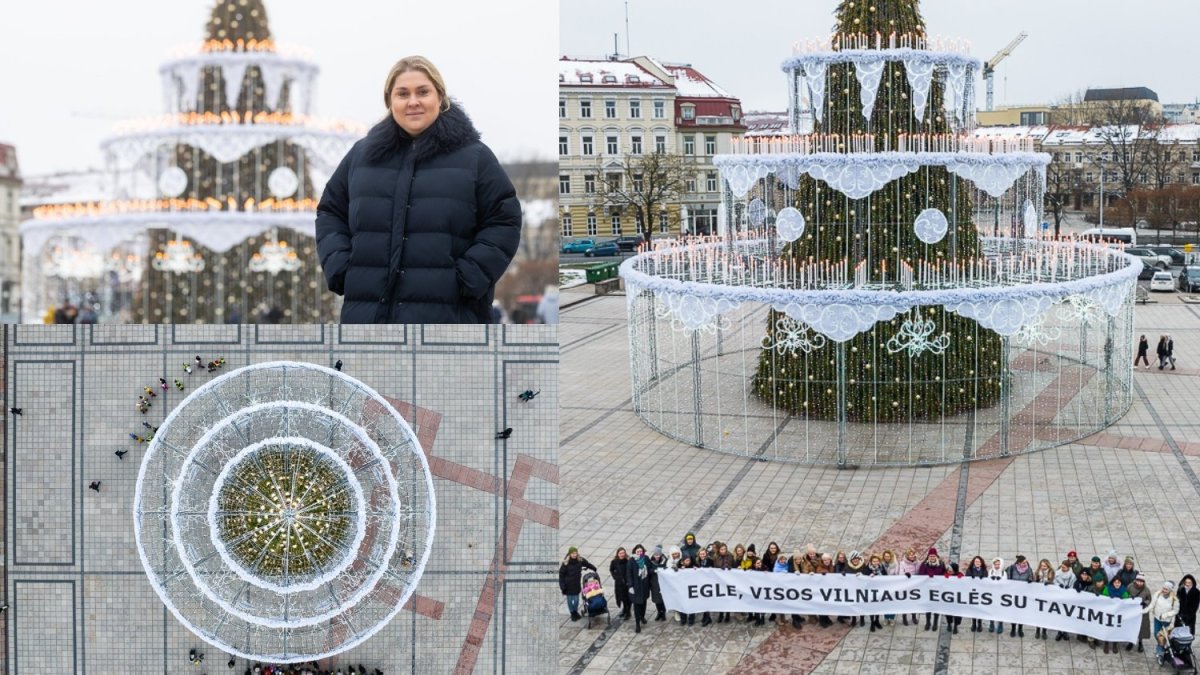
1044,574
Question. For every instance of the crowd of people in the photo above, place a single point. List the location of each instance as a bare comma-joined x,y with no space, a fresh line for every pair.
635,584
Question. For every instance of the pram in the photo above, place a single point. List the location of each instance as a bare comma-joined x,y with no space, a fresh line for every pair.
1177,643
594,602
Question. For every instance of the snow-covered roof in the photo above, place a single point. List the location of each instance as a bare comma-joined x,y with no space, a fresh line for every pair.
1037,131
691,83
576,72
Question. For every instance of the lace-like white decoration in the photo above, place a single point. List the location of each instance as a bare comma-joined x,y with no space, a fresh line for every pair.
1037,333
956,75
230,142
859,180
868,75
1079,309
1005,316
1030,219
233,73
742,177
839,322
931,226
757,212
994,178
792,336
789,225
690,312
919,74
915,337
815,75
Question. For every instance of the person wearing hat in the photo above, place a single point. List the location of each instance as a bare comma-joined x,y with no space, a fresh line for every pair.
1112,564
1074,561
995,573
1098,588
932,567
1097,570
690,548
908,566
1189,601
617,569
1163,609
569,575
658,562
856,564
1020,570
1083,584
1141,592
1128,572
1065,579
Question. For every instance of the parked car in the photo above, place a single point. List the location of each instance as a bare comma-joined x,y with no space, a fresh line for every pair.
1189,279
578,245
630,243
603,248
1162,281
1177,256
1160,261
1147,272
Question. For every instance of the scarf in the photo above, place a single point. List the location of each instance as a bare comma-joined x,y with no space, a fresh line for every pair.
641,564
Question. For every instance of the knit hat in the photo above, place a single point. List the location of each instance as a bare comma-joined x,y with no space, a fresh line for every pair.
1128,558
572,550
1020,558
1095,558
1140,577
658,549
1072,554
674,550
750,549
1169,585
854,555
932,551
1112,553
689,534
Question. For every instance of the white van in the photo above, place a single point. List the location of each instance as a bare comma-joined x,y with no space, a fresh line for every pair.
1111,235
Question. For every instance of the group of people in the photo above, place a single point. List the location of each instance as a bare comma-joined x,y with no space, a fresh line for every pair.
1165,352
635,584
302,669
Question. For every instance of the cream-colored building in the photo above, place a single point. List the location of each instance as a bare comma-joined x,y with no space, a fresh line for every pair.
611,110
10,238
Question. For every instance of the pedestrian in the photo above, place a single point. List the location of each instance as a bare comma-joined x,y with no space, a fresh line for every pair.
995,573
570,573
1162,352
94,485
617,569
179,384
120,454
637,577
1189,601
658,562
683,563
1163,609
1073,559
338,365
781,567
977,569
231,663
502,435
528,395
1065,579
1171,351
16,411
438,259
1142,351
910,566
198,360
1097,570
1044,574
1020,570
1139,591
1099,586
187,368
932,567
826,567
149,392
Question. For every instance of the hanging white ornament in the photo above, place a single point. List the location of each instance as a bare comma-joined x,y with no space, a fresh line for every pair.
814,73
1037,333
916,337
792,336
233,73
789,224
919,73
931,226
956,74
283,182
757,212
172,182
869,74
1030,218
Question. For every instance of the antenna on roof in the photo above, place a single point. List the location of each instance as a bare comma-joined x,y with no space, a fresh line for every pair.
627,52
616,55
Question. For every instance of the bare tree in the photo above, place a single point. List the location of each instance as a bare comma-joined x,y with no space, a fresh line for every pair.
1126,129
1068,110
1062,184
644,185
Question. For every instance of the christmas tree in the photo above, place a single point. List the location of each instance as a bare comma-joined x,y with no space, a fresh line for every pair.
881,385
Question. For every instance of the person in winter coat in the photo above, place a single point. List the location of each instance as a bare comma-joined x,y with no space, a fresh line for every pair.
1140,591
932,567
684,563
855,564
1161,351
1170,352
1142,351
875,568
638,573
658,562
1076,564
723,561
1097,570
419,220
1044,574
617,569
1065,579
690,548
908,567
1189,601
1163,609
996,572
1099,587
890,567
1112,564
825,567
739,556
569,575
977,569
1019,571
1127,573
704,562
758,618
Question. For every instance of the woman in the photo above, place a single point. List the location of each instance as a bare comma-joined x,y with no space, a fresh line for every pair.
932,567
723,561
890,568
1140,591
637,577
996,572
1142,351
825,567
1162,610
658,562
684,563
739,557
1189,601
704,562
1099,587
977,569
1161,351
1127,572
1064,578
1044,574
1019,571
908,567
617,569
856,565
759,618
570,574
875,568
419,220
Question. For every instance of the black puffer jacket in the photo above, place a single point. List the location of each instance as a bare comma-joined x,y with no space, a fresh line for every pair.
418,231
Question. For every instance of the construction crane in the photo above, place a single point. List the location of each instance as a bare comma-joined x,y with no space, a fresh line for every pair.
989,68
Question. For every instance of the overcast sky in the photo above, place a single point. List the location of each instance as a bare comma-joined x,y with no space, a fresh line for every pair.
1072,44
70,70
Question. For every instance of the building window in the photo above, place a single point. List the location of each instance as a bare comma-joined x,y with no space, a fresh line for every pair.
585,108
613,181
735,111
566,225
1196,155
562,146
562,108
564,184
662,222
660,110
635,108
660,144
710,145
616,223
587,145
635,145
689,145
1196,179
591,224
611,143
1056,156
637,182
1078,157
610,109
710,181
641,223
1087,177
589,184
688,112
609,79
690,185
1029,119
586,78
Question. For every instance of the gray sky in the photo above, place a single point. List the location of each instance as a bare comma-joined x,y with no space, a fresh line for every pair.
70,70
1072,44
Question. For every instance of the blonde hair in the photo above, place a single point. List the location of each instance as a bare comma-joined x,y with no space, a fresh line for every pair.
422,65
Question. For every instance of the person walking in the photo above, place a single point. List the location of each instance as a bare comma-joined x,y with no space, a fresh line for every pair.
1161,351
570,573
1171,351
617,569
1142,351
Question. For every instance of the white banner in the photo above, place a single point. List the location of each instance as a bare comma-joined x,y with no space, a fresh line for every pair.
1048,606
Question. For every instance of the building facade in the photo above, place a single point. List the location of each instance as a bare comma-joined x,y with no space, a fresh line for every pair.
10,238
613,112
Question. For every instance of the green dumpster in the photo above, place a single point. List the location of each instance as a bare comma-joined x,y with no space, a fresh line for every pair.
597,273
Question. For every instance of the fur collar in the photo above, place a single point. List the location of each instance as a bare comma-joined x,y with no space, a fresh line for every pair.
449,132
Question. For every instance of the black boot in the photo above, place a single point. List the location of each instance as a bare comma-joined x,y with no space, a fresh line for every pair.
1020,631
905,618
926,622
707,620
691,619
825,622
575,616
1013,631
935,620
662,615
796,623
637,625
1059,636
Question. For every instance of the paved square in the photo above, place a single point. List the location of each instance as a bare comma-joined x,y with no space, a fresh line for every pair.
1132,488
79,598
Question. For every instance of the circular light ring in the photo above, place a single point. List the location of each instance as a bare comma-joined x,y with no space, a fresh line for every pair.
360,529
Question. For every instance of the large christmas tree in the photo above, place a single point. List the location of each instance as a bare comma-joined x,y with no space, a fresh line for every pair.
881,385
213,295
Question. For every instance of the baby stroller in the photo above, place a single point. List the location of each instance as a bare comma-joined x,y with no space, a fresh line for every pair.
1178,649
594,603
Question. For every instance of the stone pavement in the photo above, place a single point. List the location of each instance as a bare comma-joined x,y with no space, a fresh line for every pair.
1132,488
79,598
